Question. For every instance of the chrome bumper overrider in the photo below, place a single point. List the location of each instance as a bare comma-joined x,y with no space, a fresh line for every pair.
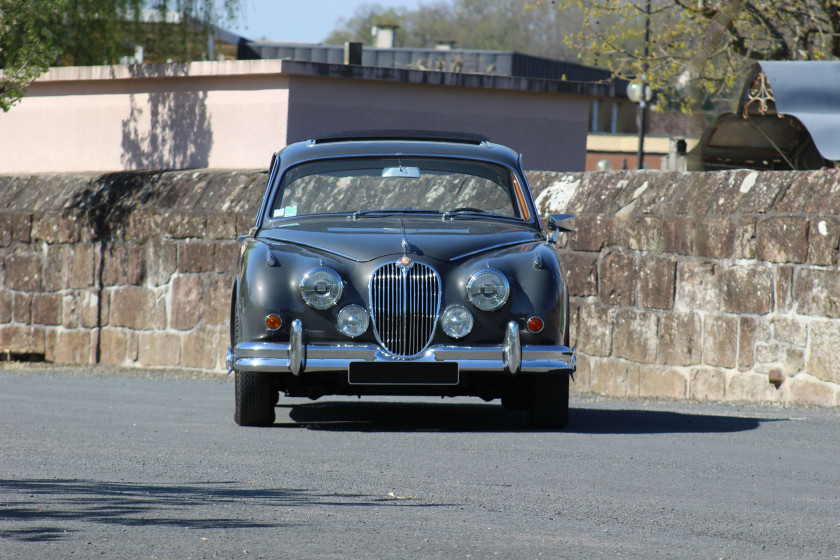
296,357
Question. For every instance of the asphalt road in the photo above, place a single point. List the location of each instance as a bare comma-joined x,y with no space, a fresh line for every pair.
109,463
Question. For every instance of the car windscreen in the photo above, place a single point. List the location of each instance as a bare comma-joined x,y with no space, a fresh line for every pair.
431,184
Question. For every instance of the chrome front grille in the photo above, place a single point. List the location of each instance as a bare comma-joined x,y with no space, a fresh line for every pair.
404,305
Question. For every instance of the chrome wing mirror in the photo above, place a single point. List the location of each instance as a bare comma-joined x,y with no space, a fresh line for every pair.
558,223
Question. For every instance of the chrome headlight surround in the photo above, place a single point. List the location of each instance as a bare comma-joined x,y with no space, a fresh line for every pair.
488,289
456,321
321,287
352,321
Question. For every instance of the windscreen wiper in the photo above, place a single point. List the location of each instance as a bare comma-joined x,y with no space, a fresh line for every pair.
390,211
472,212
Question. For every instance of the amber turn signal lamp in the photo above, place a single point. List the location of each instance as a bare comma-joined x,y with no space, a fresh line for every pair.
535,324
273,322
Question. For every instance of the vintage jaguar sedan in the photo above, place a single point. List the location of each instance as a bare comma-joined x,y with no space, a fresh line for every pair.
390,263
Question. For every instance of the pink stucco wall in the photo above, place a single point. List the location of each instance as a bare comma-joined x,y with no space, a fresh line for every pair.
101,118
234,114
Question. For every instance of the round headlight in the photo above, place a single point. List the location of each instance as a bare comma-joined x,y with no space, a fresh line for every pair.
321,288
352,321
457,321
488,289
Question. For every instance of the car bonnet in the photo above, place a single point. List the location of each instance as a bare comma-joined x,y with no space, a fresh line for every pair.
371,237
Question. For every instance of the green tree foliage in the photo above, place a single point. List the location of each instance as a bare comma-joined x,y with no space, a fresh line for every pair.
28,44
37,34
698,50
98,32
103,31
187,39
471,24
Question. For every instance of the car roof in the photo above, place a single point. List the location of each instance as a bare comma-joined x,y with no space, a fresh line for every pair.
388,142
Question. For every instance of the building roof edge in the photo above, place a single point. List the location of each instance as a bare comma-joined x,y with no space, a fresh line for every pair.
440,78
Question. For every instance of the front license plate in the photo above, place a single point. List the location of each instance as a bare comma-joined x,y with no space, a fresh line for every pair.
402,373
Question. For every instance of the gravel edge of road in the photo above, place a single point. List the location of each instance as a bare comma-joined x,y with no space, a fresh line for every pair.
101,370
161,373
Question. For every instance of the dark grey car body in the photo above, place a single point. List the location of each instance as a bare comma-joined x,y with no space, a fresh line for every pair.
404,268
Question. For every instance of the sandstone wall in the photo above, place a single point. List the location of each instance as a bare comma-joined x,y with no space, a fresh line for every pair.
708,286
126,268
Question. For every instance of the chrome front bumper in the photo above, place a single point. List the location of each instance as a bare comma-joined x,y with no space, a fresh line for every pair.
296,357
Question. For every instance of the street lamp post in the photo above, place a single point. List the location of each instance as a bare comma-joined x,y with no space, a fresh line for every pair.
640,93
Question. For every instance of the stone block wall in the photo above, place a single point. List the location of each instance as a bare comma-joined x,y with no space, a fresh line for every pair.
705,286
124,269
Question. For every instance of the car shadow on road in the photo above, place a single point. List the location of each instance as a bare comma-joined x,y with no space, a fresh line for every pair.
448,417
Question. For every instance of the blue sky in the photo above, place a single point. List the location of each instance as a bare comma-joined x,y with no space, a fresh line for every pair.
305,21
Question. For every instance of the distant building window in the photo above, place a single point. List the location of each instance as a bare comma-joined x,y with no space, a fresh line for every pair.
614,119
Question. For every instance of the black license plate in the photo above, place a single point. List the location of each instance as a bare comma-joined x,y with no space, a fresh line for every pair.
403,373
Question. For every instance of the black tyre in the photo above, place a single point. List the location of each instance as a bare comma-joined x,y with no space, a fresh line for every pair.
548,406
518,395
514,402
256,397
566,337
256,391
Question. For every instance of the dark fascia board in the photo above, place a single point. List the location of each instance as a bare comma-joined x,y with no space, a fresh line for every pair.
261,43
452,79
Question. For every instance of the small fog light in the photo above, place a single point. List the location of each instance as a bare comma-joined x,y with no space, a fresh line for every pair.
352,321
535,324
456,321
273,322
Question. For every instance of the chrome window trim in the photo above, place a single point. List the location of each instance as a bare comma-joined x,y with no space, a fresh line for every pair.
273,173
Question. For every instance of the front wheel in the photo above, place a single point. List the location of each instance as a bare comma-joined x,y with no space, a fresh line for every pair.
256,391
548,403
256,397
